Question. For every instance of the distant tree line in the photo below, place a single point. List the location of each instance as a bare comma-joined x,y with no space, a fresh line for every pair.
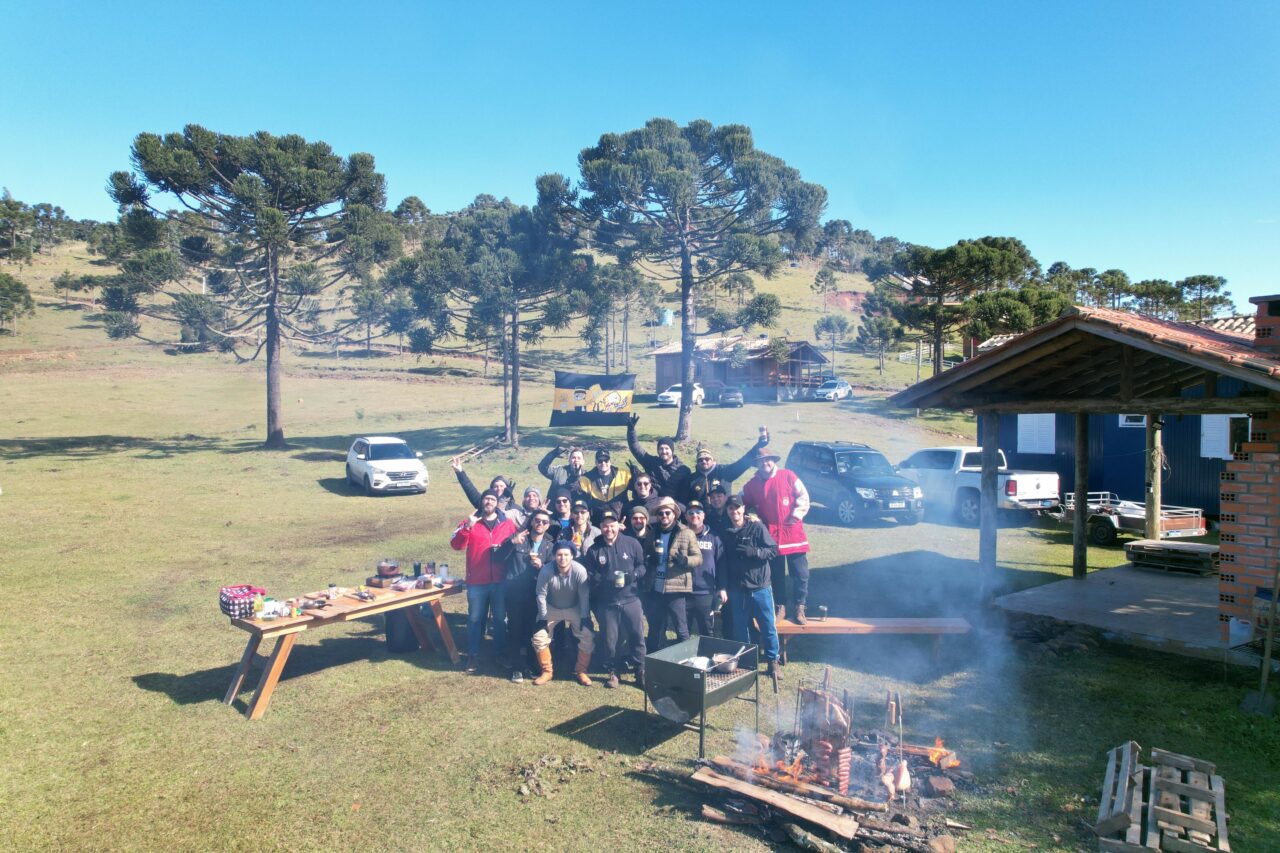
28,229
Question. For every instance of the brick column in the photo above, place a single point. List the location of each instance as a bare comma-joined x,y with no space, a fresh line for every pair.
1250,519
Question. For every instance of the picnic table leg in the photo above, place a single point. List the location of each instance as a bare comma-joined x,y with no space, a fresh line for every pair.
445,635
267,685
419,627
237,678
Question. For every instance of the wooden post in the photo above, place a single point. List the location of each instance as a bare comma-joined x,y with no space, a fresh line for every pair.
1153,496
988,499
1079,532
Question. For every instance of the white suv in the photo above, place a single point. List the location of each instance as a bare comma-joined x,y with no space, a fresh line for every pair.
381,463
671,396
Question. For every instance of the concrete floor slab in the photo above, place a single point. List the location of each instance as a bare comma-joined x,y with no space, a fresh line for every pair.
1171,612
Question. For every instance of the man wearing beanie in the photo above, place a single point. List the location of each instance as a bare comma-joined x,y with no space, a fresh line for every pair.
531,501
668,472
526,553
707,472
563,596
480,535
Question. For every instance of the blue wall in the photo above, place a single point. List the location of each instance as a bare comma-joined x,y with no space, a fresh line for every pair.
1115,455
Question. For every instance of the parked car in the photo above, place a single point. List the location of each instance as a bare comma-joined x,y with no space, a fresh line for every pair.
731,395
671,396
832,390
385,464
951,477
856,481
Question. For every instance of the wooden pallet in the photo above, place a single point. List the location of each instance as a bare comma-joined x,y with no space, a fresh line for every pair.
1192,558
1177,804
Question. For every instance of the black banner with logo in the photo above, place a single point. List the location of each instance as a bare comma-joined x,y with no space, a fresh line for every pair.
585,399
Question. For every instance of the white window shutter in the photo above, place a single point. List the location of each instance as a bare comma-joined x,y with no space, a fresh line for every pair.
1036,433
1215,436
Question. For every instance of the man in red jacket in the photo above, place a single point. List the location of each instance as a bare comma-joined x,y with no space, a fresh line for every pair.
781,501
480,534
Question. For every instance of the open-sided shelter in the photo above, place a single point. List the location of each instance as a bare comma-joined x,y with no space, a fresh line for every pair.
1101,361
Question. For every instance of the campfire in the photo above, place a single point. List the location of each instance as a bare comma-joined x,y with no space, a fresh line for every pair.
868,784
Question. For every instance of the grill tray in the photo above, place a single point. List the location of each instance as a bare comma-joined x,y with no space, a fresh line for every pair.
682,693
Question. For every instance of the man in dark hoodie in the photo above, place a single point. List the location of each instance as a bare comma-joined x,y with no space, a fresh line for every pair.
615,567
745,583
668,472
707,472
500,486
705,589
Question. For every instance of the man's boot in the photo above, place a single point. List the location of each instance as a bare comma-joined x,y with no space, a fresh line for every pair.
640,676
800,617
773,670
544,661
779,613
580,671
612,682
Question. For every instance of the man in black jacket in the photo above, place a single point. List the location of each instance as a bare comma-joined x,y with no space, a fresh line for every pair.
718,510
748,548
615,566
525,554
668,472
706,472
706,592
499,485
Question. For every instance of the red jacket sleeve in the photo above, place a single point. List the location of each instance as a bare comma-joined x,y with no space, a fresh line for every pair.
460,537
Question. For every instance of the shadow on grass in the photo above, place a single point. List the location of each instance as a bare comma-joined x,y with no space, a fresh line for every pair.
320,456
211,684
88,446
611,727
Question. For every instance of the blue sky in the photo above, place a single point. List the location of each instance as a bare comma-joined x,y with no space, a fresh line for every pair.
1136,135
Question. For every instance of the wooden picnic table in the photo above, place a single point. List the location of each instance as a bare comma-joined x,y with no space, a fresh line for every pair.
285,631
877,625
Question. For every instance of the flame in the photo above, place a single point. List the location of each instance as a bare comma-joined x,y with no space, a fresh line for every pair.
942,757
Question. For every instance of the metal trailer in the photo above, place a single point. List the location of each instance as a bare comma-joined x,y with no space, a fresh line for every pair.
1109,516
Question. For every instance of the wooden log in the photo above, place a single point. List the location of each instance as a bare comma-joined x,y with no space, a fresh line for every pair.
808,841
891,828
720,816
842,825
726,765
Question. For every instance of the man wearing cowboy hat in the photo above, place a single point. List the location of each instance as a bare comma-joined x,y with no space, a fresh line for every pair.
781,501
671,554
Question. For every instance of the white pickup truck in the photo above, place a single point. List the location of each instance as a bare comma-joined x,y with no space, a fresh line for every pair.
951,478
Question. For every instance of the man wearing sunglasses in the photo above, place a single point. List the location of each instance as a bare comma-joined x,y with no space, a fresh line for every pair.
671,554
526,553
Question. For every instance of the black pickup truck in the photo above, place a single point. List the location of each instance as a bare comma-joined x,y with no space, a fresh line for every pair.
856,481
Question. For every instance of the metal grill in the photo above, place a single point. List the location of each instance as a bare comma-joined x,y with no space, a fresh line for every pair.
401,475
680,692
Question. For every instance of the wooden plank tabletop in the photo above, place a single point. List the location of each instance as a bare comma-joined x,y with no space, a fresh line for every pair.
887,625
344,609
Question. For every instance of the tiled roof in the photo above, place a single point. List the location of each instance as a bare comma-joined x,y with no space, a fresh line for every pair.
1225,346
1236,324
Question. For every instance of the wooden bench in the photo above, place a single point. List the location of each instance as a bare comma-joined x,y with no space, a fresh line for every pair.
888,625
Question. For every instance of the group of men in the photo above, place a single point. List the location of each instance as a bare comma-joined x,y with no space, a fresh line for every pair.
652,542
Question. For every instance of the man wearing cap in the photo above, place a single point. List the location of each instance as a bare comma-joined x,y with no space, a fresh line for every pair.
717,509
706,472
668,472
562,595
782,501
702,600
531,501
581,532
604,486
615,565
563,476
560,505
525,553
480,535
745,583
671,554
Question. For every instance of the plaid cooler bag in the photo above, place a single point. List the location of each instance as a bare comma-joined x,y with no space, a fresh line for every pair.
237,601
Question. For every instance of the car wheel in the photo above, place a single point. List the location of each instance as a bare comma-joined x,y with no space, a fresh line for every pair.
847,509
912,518
368,487
1102,533
968,508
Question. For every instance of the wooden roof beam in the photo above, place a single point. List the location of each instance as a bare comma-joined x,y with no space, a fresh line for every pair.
1109,405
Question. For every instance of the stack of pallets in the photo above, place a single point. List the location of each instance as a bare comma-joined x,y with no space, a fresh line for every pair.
1177,803
1193,558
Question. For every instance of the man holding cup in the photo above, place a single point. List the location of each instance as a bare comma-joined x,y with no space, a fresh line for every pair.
616,569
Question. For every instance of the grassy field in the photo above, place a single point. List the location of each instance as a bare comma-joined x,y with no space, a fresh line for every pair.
133,487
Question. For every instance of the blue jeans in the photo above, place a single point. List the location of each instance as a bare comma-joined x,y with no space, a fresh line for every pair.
481,600
757,604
